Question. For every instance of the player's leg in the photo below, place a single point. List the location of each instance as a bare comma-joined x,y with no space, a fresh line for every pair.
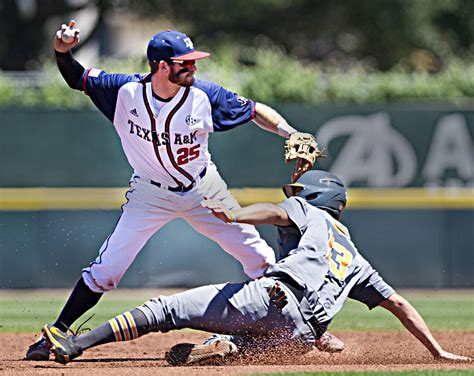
132,231
194,308
80,300
134,227
269,324
115,256
126,326
328,342
244,309
242,241
117,253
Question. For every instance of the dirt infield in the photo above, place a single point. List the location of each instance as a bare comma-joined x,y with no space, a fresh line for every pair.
364,351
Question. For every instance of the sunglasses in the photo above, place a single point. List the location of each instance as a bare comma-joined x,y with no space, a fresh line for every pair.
183,63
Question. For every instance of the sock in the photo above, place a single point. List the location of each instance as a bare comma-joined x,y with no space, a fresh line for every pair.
124,327
80,301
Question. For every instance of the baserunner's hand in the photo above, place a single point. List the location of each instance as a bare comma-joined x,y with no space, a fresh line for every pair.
218,210
447,356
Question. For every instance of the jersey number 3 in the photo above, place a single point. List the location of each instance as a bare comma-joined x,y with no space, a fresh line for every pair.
339,257
186,155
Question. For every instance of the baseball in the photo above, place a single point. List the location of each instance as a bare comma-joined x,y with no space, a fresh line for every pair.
67,35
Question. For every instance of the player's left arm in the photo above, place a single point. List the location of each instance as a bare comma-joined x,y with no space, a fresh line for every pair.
415,324
256,214
299,146
270,120
230,110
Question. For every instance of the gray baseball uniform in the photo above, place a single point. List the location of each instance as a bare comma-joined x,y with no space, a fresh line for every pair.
318,273
324,249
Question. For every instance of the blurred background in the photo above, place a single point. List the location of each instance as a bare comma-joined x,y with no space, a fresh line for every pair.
386,87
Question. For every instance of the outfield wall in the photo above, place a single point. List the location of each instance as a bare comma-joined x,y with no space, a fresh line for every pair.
410,248
415,236
368,146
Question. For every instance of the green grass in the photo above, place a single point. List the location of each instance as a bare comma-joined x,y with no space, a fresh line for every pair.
376,373
27,311
442,310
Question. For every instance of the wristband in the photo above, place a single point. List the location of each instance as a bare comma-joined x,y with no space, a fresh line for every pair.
232,217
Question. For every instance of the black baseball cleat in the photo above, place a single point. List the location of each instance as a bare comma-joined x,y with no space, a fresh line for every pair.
39,350
329,343
188,353
63,346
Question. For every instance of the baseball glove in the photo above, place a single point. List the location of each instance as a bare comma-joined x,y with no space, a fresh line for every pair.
304,148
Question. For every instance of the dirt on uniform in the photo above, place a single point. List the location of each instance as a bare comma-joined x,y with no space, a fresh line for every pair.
371,351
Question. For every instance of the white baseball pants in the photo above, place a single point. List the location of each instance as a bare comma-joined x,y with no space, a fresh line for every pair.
148,208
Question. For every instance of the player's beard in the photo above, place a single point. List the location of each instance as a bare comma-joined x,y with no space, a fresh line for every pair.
181,78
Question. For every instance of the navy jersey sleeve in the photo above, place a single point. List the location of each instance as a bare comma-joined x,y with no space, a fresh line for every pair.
297,212
229,109
102,88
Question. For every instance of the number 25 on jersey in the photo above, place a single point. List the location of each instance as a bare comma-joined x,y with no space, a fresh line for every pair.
186,155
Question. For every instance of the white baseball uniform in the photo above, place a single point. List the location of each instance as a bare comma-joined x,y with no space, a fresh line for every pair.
166,143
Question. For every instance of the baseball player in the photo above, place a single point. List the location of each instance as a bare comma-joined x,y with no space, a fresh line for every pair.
164,120
293,303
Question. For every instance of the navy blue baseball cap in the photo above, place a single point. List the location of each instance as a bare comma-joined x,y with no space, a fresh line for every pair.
172,45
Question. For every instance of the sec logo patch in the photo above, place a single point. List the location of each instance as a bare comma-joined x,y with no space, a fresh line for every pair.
191,120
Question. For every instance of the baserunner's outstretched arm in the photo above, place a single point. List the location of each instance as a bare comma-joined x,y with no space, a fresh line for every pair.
255,214
415,324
